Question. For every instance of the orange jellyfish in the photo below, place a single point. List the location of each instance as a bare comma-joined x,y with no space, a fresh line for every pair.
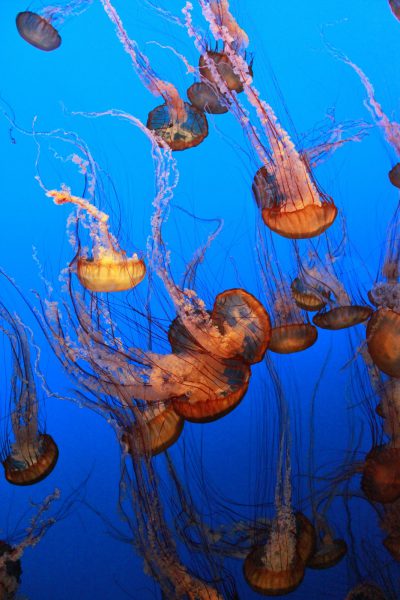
381,474
109,269
176,123
383,331
286,191
291,331
157,429
329,550
33,454
319,285
277,566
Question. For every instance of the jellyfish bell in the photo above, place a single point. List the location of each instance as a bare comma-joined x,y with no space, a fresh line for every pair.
383,340
224,68
395,7
179,132
380,480
154,433
309,297
292,337
237,311
329,552
206,97
217,387
392,545
37,31
292,215
111,272
394,173
278,568
32,462
366,591
342,317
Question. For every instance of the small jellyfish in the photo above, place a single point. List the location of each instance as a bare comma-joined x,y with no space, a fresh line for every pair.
329,552
394,175
38,31
206,97
109,270
342,317
311,297
224,68
156,430
33,454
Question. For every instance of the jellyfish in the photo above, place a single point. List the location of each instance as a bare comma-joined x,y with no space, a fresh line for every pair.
41,29
383,330
285,189
109,269
206,97
277,566
366,591
33,454
11,554
178,124
291,331
38,31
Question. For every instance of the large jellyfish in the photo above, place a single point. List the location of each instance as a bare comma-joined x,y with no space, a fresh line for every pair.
41,29
285,189
33,454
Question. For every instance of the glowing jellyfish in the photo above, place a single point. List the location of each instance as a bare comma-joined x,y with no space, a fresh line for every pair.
109,270
291,331
33,454
177,123
287,194
38,31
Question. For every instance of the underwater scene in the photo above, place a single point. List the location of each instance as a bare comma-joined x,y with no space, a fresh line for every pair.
200,300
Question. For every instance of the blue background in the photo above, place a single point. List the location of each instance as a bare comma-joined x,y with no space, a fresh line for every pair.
90,72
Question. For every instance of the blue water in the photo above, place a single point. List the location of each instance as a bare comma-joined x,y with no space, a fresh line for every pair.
87,554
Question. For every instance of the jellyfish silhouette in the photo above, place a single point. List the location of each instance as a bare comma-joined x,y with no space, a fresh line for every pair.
33,454
38,31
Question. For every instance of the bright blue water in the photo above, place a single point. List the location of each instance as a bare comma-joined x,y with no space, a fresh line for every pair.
79,557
